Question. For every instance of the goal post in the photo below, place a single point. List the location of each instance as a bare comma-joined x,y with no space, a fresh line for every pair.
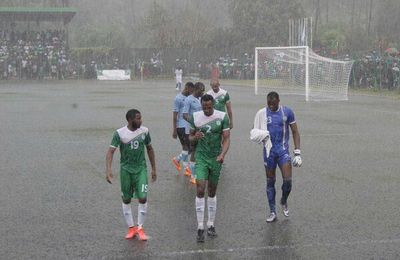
298,70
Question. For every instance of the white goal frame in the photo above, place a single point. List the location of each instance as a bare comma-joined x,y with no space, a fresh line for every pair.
307,54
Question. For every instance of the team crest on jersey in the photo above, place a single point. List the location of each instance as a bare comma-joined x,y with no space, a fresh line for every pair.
218,123
143,136
284,118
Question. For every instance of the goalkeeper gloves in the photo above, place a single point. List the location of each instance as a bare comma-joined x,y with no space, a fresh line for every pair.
297,158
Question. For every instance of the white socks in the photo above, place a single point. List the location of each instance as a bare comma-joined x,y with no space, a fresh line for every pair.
183,156
142,211
212,209
200,212
127,210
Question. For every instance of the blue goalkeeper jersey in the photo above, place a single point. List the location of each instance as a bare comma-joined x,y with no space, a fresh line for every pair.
278,126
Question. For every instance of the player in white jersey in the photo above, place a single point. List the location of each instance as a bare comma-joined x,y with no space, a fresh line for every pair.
222,101
178,78
271,124
131,140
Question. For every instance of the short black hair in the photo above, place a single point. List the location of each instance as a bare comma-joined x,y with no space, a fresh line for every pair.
131,114
273,95
199,85
189,84
206,98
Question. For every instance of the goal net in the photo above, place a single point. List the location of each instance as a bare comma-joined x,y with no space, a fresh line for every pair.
298,70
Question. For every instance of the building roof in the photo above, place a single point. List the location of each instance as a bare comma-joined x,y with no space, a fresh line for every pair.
64,14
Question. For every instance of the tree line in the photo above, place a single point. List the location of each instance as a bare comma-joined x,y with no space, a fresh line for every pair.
228,25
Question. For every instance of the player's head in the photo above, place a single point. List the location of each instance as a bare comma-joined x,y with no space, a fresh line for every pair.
188,89
134,118
207,104
214,83
273,100
198,89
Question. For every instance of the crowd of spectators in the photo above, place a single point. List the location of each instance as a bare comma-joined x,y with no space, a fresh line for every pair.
44,54
33,54
225,67
376,69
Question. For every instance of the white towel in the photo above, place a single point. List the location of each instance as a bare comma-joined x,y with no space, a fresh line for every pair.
261,136
261,132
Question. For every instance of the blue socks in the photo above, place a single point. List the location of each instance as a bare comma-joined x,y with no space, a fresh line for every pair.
286,188
270,189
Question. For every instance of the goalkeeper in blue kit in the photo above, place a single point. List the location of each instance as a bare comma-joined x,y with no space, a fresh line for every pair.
271,127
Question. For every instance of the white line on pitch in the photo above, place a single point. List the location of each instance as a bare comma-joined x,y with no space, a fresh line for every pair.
338,134
278,247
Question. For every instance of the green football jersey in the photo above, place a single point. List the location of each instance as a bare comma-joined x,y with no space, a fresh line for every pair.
220,99
212,126
131,146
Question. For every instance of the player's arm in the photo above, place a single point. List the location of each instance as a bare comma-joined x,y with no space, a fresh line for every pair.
109,159
226,140
296,136
186,116
150,153
229,111
186,109
195,135
174,120
296,139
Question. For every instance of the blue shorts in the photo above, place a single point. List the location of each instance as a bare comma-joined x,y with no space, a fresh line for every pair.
279,157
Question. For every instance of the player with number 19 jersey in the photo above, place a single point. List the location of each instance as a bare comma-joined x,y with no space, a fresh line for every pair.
131,146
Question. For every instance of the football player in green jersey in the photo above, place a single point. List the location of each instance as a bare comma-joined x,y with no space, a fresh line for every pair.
210,128
131,140
222,101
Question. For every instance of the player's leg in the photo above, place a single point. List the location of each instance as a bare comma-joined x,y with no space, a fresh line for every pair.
188,171
127,194
184,139
213,179
270,164
201,169
271,192
191,170
185,151
141,188
286,170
